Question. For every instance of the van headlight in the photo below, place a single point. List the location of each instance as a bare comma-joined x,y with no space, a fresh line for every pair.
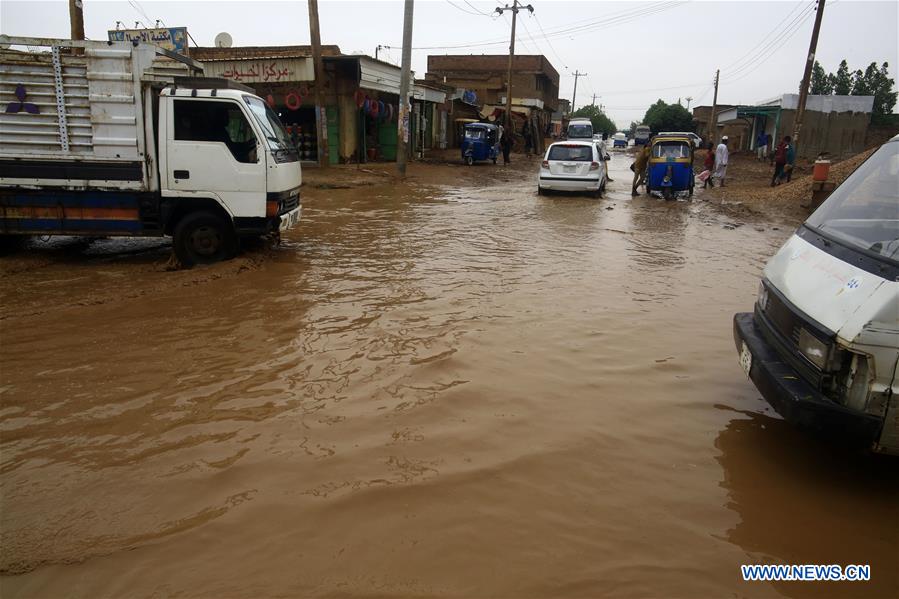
762,296
813,349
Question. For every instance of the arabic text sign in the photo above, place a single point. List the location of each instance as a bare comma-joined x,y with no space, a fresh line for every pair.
273,70
170,38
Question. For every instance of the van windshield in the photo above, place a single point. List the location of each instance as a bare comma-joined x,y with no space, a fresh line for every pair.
580,131
863,212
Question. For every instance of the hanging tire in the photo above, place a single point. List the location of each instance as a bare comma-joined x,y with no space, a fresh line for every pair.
203,238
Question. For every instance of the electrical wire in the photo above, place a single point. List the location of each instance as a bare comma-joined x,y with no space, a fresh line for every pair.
474,8
567,30
563,62
762,59
778,41
468,12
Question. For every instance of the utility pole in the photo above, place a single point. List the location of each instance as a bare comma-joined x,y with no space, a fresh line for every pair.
688,99
321,118
574,95
810,61
593,103
713,125
406,74
377,48
76,17
516,6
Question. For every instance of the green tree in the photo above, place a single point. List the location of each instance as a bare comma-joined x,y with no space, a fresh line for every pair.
601,123
860,81
841,81
884,97
821,84
633,128
668,117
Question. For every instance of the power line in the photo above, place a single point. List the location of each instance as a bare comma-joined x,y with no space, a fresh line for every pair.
565,66
565,30
784,34
468,12
476,9
773,50
751,50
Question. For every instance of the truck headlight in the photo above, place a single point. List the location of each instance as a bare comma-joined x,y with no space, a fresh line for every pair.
762,296
813,349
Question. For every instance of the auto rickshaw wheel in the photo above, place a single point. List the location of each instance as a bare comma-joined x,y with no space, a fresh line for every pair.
666,193
494,160
469,160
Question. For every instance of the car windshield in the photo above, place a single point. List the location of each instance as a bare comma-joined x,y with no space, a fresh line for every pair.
672,149
474,134
275,135
580,131
571,153
863,212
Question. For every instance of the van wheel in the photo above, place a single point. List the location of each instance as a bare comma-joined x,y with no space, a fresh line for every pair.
203,238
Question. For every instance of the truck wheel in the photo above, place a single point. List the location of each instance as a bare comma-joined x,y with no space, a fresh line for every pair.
10,244
203,238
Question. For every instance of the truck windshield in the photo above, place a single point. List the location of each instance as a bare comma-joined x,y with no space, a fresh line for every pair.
275,135
863,212
580,131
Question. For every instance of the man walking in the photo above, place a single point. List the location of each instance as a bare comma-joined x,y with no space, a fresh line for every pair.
639,168
783,155
721,156
709,164
505,144
762,145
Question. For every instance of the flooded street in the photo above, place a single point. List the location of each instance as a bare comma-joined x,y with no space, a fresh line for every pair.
447,387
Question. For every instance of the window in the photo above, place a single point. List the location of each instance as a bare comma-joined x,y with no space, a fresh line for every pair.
575,153
863,212
474,134
216,121
675,149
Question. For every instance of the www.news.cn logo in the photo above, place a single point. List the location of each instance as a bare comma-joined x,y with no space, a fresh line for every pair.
806,572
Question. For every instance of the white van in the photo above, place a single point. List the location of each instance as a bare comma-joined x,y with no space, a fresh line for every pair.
822,345
580,128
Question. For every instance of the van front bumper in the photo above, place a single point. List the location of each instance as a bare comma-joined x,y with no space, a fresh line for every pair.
793,398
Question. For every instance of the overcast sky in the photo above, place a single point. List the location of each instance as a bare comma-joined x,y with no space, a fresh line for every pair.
633,52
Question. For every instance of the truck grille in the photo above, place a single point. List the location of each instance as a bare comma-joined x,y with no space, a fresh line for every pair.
290,203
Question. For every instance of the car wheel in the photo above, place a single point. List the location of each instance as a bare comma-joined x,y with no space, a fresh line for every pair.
541,191
203,238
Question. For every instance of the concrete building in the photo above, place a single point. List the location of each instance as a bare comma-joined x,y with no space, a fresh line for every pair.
360,97
560,117
836,125
535,86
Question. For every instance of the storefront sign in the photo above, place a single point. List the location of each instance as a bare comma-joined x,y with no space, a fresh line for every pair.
276,70
170,38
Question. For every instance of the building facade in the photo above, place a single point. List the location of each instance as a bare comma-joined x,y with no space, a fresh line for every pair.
360,97
482,78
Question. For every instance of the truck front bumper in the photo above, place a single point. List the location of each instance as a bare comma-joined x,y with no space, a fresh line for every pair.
792,397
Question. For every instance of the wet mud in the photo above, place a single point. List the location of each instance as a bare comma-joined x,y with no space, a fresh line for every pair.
450,386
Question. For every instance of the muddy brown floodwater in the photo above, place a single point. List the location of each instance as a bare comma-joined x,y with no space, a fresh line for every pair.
446,387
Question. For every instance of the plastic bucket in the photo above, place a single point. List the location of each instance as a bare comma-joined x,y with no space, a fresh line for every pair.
821,170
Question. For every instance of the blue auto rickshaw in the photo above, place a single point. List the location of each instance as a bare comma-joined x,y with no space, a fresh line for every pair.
670,173
479,142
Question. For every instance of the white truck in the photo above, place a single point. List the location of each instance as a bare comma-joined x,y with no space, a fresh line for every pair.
122,138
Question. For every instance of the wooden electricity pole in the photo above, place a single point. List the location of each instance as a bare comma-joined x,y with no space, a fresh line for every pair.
76,17
321,117
574,95
516,6
404,120
713,125
809,63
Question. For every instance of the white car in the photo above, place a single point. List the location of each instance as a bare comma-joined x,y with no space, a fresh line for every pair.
573,166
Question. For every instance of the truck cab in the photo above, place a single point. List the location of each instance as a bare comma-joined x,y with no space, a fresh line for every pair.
255,185
128,139
822,344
